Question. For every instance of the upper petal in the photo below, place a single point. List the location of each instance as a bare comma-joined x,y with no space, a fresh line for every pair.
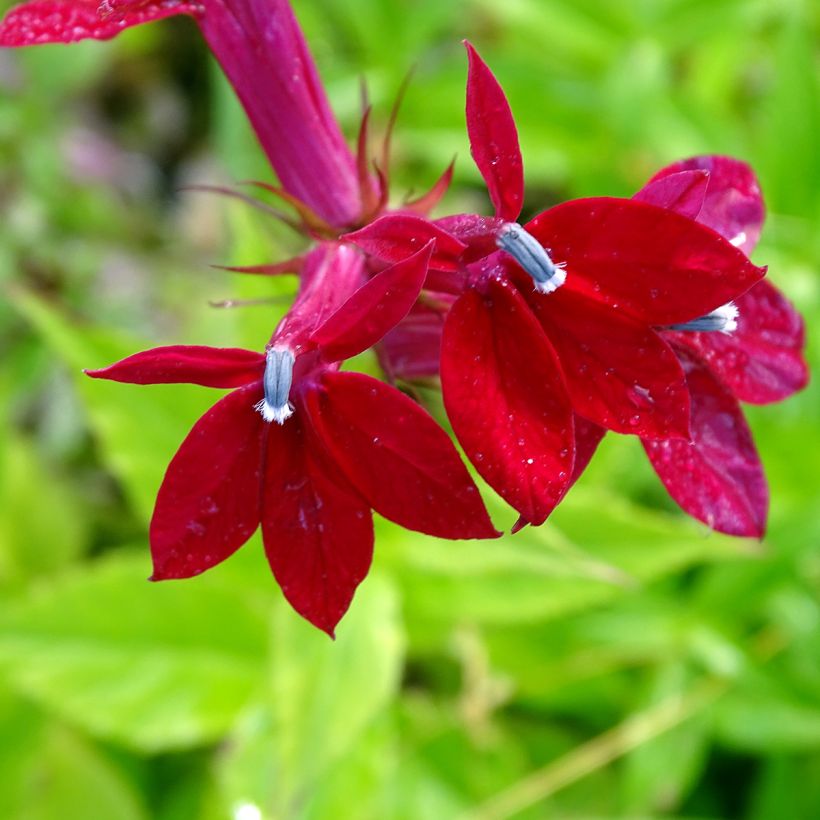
762,360
619,372
186,364
653,263
397,457
318,533
717,477
67,21
374,309
683,192
494,138
733,205
208,504
394,237
332,273
506,399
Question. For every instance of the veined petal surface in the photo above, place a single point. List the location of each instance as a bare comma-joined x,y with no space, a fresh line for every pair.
506,399
208,504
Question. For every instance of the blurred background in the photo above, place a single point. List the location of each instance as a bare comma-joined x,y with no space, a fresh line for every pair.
620,661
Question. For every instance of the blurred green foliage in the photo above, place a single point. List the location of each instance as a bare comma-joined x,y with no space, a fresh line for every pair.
618,662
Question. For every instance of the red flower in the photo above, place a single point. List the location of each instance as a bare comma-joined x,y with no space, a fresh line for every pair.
263,53
718,477
304,449
519,363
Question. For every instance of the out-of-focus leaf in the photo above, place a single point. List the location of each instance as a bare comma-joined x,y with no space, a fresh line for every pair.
138,428
319,699
154,666
595,548
51,773
41,523
657,776
763,717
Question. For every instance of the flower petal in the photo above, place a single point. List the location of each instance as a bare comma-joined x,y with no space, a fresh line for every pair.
652,263
186,364
426,202
506,399
374,309
762,360
394,237
332,272
587,438
682,192
733,205
494,138
67,21
398,458
318,533
208,504
620,373
717,478
412,350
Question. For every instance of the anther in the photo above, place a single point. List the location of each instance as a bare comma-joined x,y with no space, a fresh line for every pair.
532,256
722,320
277,381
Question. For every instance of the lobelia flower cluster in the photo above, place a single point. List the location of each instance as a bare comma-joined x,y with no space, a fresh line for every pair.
642,316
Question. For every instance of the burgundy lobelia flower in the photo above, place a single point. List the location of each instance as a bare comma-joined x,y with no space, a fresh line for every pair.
554,324
264,55
756,356
304,449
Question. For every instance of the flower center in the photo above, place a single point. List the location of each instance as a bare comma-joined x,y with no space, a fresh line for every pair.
277,381
722,320
532,256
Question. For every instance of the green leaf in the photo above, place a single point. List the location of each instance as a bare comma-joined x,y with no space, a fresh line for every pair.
154,666
41,524
138,427
321,696
51,773
596,548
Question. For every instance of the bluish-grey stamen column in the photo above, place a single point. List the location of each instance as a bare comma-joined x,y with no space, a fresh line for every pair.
721,320
276,382
532,256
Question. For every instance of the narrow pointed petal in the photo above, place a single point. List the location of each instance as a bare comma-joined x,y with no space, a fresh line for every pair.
620,373
494,138
67,21
292,265
718,477
331,274
652,263
425,203
733,205
505,397
394,237
318,534
374,309
208,504
398,458
762,361
683,192
186,364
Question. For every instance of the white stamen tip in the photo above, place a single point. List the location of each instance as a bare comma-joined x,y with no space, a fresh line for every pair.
271,413
721,320
551,285
729,314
